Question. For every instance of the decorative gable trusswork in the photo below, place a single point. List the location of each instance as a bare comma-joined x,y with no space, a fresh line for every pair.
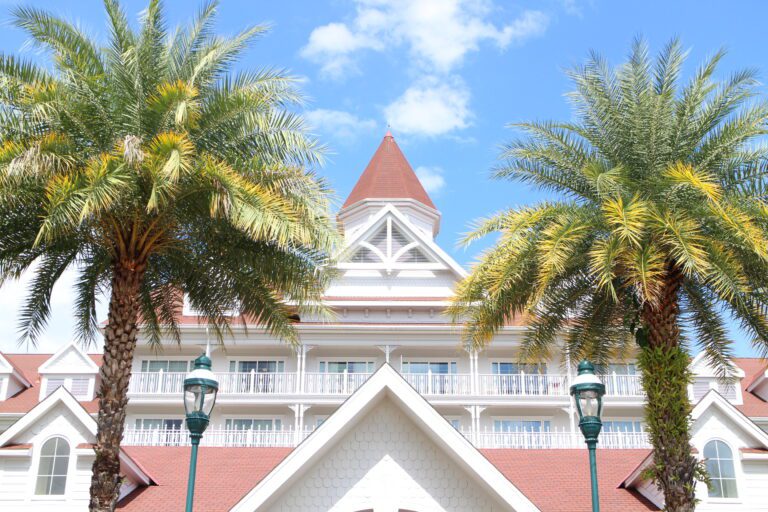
389,245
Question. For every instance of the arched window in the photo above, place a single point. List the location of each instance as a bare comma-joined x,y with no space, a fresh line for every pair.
52,471
722,474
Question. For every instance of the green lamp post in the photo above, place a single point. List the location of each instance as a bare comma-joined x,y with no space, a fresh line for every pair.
588,391
200,388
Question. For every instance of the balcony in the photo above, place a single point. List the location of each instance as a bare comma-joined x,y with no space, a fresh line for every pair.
290,438
162,384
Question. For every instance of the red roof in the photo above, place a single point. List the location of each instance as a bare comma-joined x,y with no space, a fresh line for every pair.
224,476
555,480
388,176
753,406
28,364
558,480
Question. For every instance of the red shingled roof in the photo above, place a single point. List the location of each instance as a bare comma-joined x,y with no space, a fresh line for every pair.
555,480
753,405
558,480
28,364
388,176
224,476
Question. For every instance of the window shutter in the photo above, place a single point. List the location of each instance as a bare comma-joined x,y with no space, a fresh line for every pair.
52,385
80,387
700,388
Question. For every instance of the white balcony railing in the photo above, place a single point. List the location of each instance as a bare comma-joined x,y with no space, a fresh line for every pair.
157,383
290,438
521,384
440,383
214,437
256,383
622,385
555,440
433,384
344,383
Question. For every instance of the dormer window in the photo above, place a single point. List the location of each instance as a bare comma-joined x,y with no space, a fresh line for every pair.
81,387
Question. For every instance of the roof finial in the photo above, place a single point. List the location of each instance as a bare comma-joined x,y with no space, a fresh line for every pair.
389,131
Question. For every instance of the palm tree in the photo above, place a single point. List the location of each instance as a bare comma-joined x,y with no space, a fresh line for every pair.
659,231
150,168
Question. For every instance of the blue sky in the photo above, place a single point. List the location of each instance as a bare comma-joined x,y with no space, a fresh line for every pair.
448,75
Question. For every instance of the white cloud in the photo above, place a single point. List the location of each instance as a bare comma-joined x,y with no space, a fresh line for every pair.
437,33
61,325
431,178
339,124
430,107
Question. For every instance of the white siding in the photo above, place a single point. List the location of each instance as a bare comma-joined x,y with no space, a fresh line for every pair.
385,463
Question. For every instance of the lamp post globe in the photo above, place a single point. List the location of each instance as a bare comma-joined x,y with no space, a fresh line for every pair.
200,390
587,391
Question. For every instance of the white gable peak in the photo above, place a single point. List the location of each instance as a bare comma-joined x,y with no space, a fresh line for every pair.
70,359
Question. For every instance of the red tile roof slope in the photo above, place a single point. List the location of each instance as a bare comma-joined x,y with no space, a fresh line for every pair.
224,476
753,406
555,480
388,176
558,480
28,364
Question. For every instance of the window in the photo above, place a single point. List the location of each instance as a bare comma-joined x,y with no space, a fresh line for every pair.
253,424
257,366
52,470
626,426
518,426
78,386
158,424
503,368
440,367
455,423
719,460
166,366
349,366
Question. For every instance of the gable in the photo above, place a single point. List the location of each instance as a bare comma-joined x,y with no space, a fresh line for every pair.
69,360
386,386
390,242
386,446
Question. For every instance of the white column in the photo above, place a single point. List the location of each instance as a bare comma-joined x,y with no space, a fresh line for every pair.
571,408
299,353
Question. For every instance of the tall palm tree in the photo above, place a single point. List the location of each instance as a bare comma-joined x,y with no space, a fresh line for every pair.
659,232
150,168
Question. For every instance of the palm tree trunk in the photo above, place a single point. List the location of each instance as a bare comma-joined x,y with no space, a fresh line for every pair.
119,344
664,365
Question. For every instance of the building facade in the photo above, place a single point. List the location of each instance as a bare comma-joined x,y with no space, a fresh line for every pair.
379,408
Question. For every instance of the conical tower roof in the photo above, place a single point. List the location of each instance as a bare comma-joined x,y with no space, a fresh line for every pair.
388,176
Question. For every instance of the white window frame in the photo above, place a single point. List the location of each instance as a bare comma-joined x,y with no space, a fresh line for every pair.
411,360
491,360
68,384
161,417
737,474
542,419
344,359
37,449
188,359
633,420
238,360
274,417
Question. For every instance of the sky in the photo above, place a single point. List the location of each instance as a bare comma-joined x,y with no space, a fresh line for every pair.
448,77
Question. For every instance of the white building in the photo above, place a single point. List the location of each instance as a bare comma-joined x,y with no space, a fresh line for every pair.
380,409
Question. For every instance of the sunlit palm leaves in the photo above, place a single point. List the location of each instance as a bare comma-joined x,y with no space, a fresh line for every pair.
652,171
150,147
